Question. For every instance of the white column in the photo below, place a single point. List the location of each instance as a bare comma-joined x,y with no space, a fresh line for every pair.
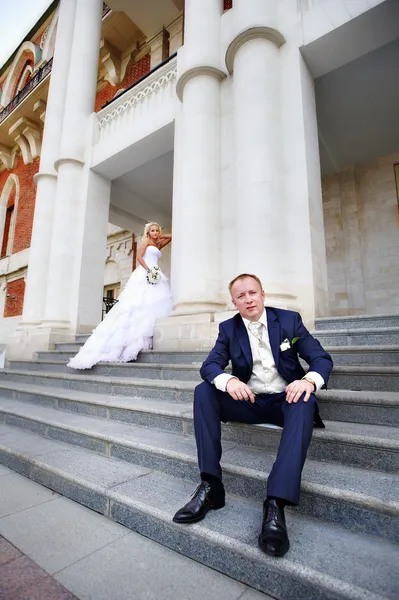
79,105
88,282
254,61
46,178
302,185
196,202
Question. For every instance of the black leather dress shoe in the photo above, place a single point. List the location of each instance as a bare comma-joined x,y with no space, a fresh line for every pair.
204,498
273,538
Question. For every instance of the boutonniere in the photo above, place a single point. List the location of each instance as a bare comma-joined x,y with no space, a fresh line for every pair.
286,345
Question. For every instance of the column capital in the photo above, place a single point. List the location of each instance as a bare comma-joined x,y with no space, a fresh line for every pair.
194,72
266,33
43,175
66,160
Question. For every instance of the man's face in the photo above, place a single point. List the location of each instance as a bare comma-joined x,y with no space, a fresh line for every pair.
248,298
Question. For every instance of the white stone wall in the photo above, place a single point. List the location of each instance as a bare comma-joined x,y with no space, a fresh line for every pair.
361,217
319,17
120,253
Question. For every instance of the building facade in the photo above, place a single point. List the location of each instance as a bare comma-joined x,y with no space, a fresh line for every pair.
262,134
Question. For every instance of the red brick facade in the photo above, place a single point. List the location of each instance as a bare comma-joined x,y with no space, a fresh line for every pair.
26,202
133,73
14,298
7,222
227,4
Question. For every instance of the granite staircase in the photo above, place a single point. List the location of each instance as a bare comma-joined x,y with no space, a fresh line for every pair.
119,439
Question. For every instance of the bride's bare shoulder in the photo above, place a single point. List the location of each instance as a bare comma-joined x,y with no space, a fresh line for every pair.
143,245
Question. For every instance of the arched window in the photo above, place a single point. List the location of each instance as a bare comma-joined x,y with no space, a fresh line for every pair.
28,54
25,77
8,211
7,226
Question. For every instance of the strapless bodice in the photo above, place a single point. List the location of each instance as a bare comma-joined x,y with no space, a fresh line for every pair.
152,256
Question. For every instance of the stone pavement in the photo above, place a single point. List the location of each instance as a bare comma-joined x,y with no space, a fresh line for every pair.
55,549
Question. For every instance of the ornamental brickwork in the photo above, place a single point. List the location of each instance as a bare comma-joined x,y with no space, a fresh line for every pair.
133,73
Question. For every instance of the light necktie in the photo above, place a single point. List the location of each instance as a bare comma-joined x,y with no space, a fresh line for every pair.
256,328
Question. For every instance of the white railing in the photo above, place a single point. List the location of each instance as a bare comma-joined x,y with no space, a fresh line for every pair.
147,106
149,86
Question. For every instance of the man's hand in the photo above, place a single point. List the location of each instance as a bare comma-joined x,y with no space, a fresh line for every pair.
239,390
295,390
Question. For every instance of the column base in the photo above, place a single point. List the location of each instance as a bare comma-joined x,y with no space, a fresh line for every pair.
186,332
282,300
196,308
26,341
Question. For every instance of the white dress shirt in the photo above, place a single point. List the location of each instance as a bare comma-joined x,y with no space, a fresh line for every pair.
265,378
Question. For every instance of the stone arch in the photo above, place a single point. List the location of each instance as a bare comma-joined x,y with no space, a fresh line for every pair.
49,42
26,76
9,186
27,52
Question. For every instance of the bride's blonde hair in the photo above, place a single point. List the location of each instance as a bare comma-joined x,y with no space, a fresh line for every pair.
148,226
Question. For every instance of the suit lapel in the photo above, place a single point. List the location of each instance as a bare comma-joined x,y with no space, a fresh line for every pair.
243,338
273,327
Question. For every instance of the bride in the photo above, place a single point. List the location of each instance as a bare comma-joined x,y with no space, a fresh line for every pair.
128,327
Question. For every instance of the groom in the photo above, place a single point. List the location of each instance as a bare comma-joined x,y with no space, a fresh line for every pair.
267,385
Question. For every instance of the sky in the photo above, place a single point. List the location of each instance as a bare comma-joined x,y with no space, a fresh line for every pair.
17,19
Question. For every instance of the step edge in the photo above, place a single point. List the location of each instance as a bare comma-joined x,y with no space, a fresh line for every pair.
350,439
161,383
328,582
310,486
357,398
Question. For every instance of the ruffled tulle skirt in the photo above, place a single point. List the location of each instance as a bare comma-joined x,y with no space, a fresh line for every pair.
128,327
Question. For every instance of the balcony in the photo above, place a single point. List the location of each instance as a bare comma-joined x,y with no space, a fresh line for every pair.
33,83
137,112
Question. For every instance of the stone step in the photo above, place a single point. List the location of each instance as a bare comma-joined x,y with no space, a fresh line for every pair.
69,347
357,322
384,379
363,377
170,390
341,355
375,408
378,336
378,408
325,561
350,331
365,446
330,492
169,371
68,350
386,356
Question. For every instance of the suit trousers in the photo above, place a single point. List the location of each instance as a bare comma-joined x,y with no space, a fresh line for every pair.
211,407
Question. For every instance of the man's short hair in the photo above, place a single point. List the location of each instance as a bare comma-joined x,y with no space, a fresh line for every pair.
244,276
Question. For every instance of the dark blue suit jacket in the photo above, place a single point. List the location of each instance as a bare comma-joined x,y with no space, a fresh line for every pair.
233,345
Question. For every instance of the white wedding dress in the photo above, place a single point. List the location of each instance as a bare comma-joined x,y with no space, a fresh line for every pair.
128,327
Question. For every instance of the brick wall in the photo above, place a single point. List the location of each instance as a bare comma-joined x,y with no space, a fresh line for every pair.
26,203
14,298
11,198
133,72
227,4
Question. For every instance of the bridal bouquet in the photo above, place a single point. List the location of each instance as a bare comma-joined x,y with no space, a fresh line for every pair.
153,275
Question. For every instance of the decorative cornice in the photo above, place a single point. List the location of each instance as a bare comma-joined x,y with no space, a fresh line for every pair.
194,72
267,33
